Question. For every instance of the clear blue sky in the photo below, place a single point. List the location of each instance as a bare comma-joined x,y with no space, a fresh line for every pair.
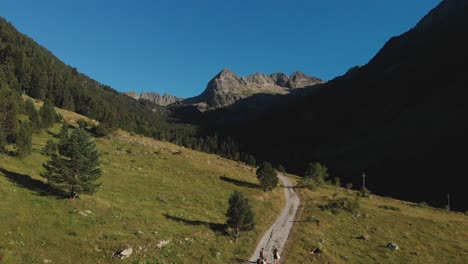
178,46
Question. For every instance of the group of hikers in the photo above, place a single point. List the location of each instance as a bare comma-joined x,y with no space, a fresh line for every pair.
263,259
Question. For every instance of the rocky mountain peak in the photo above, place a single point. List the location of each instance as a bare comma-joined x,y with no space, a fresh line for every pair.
300,80
165,99
226,87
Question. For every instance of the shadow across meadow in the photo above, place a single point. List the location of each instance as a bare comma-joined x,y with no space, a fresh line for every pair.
26,181
216,227
240,183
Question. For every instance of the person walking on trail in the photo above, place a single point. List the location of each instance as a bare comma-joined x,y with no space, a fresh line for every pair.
276,256
262,253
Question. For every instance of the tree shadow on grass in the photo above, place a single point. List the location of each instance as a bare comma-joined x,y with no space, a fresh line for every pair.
37,186
240,183
216,227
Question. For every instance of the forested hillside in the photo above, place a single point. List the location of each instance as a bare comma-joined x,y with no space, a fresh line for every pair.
26,67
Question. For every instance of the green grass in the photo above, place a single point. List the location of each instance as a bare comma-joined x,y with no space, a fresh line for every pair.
145,187
424,235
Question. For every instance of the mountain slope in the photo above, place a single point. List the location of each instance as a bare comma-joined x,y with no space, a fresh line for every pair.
227,88
401,118
163,100
423,234
144,199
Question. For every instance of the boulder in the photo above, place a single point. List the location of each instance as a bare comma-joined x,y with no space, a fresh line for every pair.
124,253
393,246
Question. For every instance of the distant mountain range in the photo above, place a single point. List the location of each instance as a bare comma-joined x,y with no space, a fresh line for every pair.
227,88
163,100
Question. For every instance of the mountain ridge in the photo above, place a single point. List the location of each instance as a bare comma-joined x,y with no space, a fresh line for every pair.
154,97
227,88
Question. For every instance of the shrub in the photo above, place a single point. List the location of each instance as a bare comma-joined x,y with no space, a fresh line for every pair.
390,207
281,168
422,205
349,186
317,172
82,123
337,182
308,183
343,204
364,192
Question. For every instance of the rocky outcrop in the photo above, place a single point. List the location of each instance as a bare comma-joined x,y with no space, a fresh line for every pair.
226,88
165,99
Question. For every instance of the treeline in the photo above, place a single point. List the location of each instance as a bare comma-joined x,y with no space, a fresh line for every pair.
26,67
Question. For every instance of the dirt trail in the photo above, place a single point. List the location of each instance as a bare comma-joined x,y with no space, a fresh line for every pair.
279,232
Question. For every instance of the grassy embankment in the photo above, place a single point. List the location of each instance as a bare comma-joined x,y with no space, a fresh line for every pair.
151,192
424,235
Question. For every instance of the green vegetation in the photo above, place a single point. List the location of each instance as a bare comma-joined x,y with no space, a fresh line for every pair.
73,167
281,168
48,115
239,214
23,139
144,191
30,69
424,235
316,172
267,176
390,207
364,192
343,204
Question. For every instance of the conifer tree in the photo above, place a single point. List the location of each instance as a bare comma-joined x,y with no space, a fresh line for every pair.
3,140
267,176
240,215
34,117
24,139
74,167
48,115
9,105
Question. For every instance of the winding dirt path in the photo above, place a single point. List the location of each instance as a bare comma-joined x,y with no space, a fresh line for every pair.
279,232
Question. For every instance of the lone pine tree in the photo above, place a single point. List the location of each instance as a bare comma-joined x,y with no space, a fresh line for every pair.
239,214
267,176
74,167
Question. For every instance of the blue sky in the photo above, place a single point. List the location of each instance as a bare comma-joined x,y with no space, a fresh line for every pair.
178,46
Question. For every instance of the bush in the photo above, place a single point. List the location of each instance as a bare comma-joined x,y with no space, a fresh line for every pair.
349,186
308,183
317,172
364,192
390,207
343,204
422,205
102,130
82,123
337,182
281,168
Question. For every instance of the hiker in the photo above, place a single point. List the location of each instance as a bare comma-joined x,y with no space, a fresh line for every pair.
276,256
262,254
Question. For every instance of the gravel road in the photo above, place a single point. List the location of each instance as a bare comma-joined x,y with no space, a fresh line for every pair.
279,232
